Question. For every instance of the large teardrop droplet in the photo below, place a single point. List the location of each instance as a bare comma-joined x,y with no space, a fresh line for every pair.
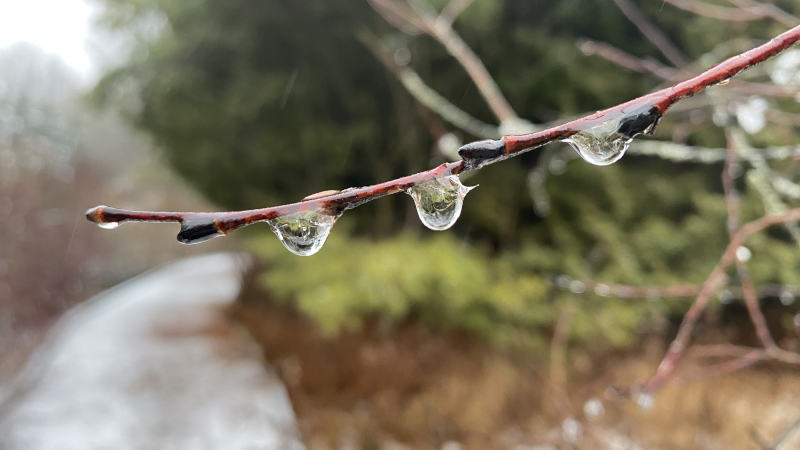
599,147
303,233
439,201
607,142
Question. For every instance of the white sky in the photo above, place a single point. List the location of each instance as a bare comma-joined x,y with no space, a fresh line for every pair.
59,27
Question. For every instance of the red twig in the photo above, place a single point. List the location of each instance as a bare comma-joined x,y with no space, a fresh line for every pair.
202,226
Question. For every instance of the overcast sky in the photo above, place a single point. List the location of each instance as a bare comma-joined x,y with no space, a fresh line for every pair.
59,27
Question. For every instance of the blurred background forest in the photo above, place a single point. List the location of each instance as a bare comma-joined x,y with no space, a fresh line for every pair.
557,269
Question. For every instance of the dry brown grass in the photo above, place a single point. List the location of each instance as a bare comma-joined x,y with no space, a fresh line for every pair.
412,388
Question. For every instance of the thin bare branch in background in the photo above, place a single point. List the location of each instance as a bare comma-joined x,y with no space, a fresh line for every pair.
427,96
769,10
666,73
749,11
733,203
627,291
652,32
420,15
673,151
714,281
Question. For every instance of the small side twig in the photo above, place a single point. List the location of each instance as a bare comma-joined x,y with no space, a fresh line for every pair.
713,282
734,217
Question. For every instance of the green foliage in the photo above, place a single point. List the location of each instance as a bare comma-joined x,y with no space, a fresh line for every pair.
439,281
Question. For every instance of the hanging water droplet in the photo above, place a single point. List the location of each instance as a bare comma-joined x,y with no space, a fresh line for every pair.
607,142
645,401
439,201
577,287
108,225
725,297
603,290
593,408
786,297
303,233
195,230
743,254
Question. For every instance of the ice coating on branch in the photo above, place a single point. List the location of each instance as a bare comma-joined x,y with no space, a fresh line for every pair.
439,201
195,230
606,142
303,233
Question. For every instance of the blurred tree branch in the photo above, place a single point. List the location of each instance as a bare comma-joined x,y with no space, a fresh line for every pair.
651,32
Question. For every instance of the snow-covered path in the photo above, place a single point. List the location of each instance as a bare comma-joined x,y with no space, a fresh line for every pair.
152,363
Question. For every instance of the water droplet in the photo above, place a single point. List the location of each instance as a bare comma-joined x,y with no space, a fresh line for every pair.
439,201
607,142
603,290
563,281
786,297
577,287
195,230
571,430
645,401
108,225
593,408
743,254
725,297
303,233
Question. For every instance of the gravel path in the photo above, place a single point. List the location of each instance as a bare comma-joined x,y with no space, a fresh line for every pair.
152,363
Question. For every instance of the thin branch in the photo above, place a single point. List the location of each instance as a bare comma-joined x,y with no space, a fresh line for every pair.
734,217
673,151
420,15
625,59
741,14
770,10
652,32
628,291
477,154
666,73
712,283
428,97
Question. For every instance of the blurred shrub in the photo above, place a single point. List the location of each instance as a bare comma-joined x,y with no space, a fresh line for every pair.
440,281
443,283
